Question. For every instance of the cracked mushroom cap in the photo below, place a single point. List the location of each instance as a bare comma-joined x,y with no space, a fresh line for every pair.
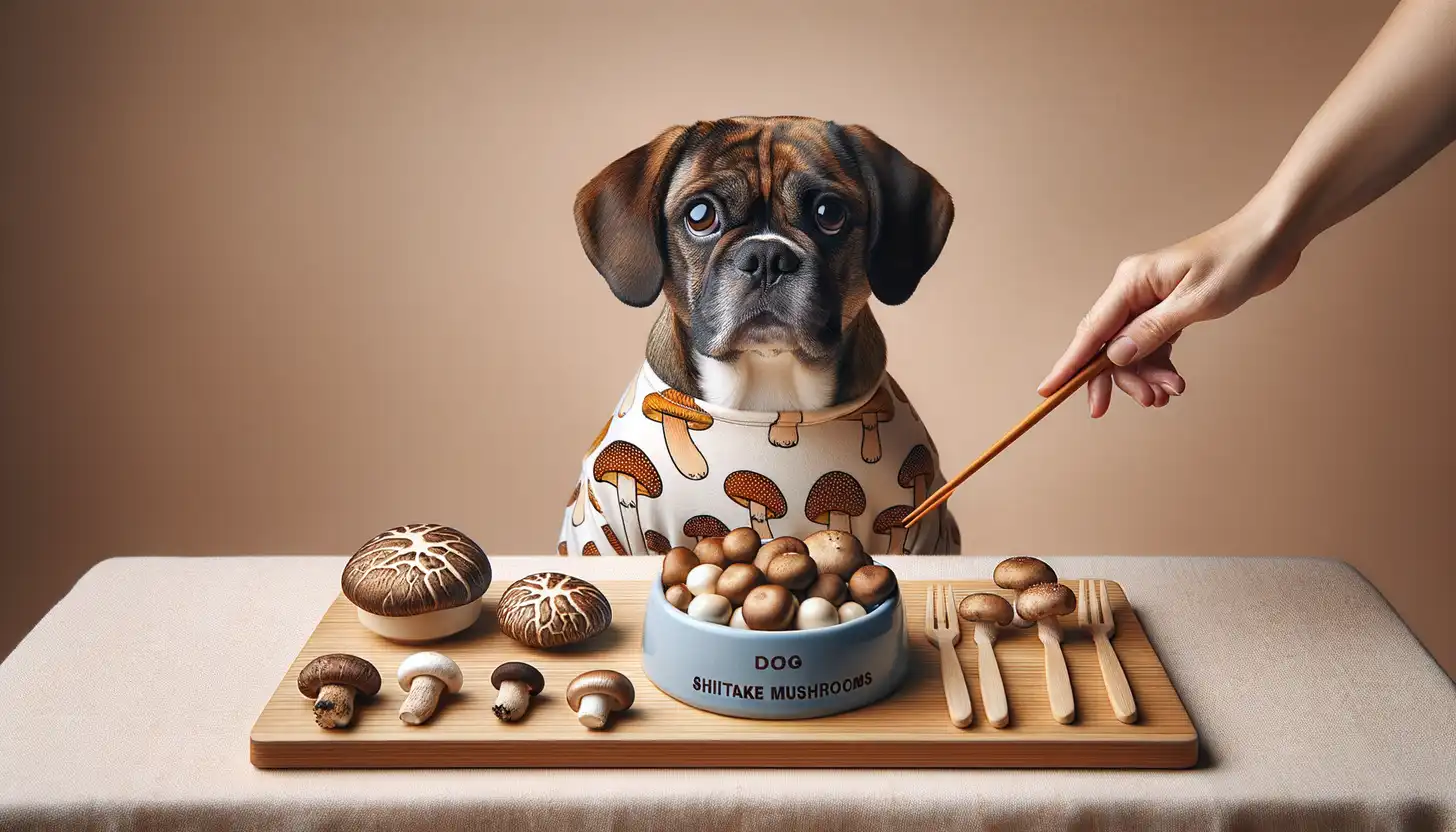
1021,572
879,404
672,403
1045,601
917,464
549,609
416,569
625,459
338,669
985,606
744,487
608,683
704,525
836,491
891,518
518,672
437,665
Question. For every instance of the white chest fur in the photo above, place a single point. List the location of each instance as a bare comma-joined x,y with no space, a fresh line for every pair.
765,381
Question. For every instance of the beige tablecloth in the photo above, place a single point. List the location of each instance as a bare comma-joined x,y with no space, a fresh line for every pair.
129,707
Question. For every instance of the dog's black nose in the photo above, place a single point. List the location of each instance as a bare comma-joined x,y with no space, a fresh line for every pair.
766,260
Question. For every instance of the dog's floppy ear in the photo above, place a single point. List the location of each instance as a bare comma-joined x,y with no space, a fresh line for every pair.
619,218
910,216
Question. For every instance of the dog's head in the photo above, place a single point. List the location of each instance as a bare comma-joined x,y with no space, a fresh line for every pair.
765,234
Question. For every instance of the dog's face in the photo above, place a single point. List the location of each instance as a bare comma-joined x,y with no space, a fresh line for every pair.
765,235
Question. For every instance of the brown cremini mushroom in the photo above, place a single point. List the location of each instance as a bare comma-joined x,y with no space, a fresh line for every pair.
769,607
657,543
880,408
628,469
778,546
784,432
710,550
985,608
741,545
891,522
676,565
869,585
1017,574
679,596
703,526
417,583
837,552
679,414
549,609
738,580
835,498
792,571
333,681
517,682
830,587
426,676
760,496
988,611
596,694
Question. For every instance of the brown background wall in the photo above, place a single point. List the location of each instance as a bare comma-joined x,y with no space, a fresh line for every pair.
275,275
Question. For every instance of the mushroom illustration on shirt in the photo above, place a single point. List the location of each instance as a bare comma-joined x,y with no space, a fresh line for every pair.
625,405
758,494
590,550
891,522
784,432
611,537
580,496
700,526
679,415
657,543
628,469
880,408
835,498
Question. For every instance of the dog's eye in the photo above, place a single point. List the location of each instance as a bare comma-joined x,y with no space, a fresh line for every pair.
830,214
702,217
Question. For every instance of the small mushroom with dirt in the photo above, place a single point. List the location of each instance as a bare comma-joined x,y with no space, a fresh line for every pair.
596,694
333,681
517,682
426,676
1018,573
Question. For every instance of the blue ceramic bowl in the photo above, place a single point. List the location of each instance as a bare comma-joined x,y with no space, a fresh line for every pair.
793,674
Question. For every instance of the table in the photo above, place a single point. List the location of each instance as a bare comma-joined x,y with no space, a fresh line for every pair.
129,707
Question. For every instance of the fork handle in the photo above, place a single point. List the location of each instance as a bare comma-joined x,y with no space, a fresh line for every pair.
993,691
957,696
1059,684
1119,692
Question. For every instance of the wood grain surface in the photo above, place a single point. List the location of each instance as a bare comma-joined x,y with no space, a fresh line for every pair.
909,729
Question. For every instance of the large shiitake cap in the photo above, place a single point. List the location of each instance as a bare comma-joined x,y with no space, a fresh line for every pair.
1045,601
416,569
338,669
741,545
549,609
987,607
1021,572
836,551
778,546
676,565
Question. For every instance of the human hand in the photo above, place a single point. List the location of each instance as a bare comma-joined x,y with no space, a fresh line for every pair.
1153,297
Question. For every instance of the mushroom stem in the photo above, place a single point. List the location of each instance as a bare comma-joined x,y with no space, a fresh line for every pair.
514,699
1016,619
1059,683
334,707
631,524
578,511
595,708
680,446
897,540
424,695
839,521
784,432
869,444
758,518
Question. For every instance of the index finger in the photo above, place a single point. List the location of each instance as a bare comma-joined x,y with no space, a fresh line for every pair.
1106,318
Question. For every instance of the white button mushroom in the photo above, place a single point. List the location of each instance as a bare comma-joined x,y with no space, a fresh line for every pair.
426,676
737,622
595,694
849,611
703,579
714,609
815,613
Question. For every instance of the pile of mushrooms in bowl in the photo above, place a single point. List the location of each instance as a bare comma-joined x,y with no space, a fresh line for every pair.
740,581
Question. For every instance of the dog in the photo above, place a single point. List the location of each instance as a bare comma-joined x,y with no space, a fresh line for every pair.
764,399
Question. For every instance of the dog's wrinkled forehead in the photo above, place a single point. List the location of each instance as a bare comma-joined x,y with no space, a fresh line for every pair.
772,161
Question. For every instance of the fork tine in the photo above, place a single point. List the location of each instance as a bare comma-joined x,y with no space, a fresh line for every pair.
1106,605
929,608
1083,615
950,605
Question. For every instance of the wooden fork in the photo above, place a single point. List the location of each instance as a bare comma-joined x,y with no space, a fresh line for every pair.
1094,614
943,629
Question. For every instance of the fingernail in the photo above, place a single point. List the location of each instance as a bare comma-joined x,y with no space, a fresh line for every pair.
1168,387
1122,351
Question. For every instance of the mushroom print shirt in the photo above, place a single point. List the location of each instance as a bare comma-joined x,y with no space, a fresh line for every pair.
668,470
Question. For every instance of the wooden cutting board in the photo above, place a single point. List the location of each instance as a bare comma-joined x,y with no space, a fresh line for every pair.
909,729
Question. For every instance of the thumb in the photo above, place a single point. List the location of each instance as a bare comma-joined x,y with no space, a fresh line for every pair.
1151,330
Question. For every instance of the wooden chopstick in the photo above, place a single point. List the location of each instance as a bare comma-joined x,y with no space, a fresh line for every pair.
1099,364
